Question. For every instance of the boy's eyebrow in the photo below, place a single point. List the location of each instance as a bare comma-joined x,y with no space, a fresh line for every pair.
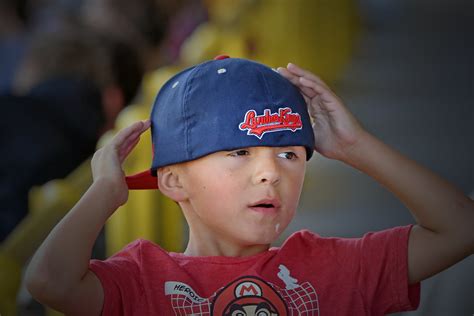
292,147
240,148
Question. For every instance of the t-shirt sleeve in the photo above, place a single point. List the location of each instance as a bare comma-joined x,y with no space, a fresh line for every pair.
120,278
383,271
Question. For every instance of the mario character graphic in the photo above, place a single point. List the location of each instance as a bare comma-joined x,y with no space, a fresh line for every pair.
248,296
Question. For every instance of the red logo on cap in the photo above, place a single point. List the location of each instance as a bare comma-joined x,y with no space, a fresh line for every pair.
258,125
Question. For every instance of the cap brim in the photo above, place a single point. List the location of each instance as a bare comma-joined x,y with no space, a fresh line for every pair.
142,181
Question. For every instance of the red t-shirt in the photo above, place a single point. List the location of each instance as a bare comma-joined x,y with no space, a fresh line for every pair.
307,275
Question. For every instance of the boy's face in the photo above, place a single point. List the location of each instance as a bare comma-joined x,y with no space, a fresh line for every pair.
246,196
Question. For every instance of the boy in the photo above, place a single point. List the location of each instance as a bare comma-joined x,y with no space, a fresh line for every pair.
231,138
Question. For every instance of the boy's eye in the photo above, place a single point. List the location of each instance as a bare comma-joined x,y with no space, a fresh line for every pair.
288,155
240,152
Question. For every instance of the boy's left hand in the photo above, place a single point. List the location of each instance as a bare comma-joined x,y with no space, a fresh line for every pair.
444,215
336,130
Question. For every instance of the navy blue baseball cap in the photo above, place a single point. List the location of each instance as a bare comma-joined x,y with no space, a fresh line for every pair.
222,105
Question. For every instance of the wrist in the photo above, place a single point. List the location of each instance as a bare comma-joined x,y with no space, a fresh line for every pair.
113,193
354,153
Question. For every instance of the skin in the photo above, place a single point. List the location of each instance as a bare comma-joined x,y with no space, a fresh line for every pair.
444,215
215,193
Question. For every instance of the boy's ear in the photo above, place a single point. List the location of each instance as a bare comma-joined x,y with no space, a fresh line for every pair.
169,184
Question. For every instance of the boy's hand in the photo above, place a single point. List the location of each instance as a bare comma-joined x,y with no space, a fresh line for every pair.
444,215
107,161
336,130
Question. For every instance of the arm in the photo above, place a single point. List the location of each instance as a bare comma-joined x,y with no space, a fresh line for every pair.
58,274
444,215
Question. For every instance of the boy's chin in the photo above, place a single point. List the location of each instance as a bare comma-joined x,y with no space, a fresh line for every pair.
265,236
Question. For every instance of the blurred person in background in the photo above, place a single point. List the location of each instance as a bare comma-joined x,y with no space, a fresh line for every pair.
155,29
73,76
93,52
185,17
68,91
142,24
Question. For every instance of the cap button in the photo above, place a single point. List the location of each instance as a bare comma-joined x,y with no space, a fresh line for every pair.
220,57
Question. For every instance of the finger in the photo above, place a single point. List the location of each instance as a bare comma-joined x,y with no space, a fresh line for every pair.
132,138
129,144
305,97
132,130
305,73
288,75
297,70
137,132
319,89
128,149
294,79
312,109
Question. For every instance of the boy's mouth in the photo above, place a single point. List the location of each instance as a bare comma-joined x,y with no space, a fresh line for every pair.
266,204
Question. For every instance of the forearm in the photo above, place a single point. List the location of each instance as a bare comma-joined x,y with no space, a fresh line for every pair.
435,203
63,259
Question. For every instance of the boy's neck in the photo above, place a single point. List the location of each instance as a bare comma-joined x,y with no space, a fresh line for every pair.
205,247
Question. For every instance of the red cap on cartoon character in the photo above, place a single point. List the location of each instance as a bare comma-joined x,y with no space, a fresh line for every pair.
248,294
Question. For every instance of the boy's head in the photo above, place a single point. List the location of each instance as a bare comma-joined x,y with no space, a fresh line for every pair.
231,138
222,105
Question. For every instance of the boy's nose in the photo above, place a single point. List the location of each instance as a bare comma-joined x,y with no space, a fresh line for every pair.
266,171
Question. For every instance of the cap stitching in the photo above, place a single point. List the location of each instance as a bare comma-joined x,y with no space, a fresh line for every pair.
187,134
184,115
267,89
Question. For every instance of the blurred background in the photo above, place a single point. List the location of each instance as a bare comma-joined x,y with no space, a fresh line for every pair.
73,72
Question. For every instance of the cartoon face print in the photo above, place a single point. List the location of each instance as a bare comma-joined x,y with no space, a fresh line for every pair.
248,296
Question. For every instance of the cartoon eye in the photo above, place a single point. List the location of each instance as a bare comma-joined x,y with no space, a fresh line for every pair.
263,309
236,310
288,155
239,312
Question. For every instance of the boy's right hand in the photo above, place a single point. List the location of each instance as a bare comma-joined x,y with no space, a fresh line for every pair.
68,247
107,161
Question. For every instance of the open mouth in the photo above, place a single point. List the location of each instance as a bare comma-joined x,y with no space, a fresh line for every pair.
266,205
